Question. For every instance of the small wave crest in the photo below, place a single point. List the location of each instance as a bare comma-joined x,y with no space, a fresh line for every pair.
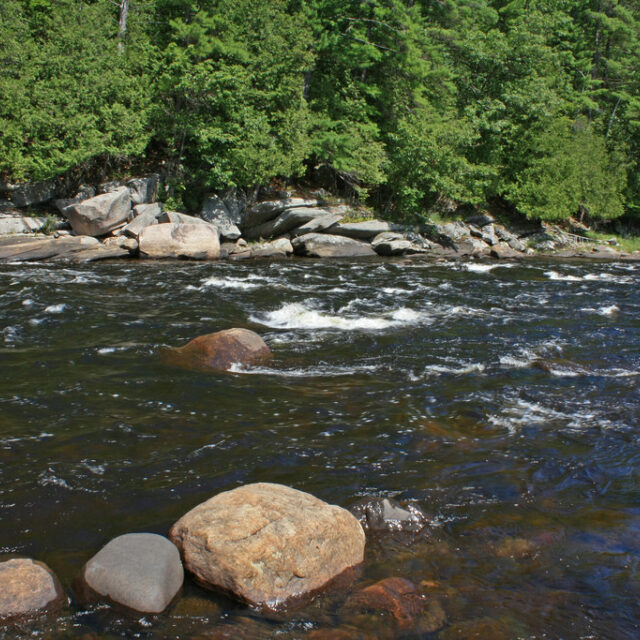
297,316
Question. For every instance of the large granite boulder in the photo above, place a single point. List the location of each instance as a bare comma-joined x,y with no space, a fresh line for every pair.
366,230
176,240
27,587
216,212
220,350
265,211
324,245
145,215
266,543
141,571
101,214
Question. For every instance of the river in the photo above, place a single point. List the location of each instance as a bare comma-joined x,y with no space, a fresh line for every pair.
502,398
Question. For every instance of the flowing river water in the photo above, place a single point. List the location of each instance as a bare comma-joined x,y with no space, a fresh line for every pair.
502,398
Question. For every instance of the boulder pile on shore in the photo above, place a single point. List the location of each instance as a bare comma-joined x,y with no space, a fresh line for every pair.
122,220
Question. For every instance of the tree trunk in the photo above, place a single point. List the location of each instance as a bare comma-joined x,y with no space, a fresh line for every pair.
122,25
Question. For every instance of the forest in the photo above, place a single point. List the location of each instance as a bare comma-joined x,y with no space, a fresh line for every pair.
533,104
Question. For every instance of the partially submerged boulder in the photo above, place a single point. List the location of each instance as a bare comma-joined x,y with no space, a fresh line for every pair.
280,248
219,351
321,245
27,587
101,214
140,571
266,543
175,240
383,514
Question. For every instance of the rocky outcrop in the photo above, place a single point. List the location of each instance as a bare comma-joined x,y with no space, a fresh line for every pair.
319,224
144,190
20,224
320,245
284,222
101,214
280,248
393,243
32,194
265,211
267,544
180,241
141,571
23,248
216,212
145,215
219,351
27,587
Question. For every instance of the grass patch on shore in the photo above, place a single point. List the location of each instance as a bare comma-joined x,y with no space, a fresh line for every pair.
627,244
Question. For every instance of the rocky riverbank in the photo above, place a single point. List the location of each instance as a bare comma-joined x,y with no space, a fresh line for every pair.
126,220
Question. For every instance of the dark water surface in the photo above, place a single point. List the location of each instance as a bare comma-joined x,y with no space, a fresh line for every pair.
503,399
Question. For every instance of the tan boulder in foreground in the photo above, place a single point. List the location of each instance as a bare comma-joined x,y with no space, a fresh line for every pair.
175,240
218,351
266,543
26,587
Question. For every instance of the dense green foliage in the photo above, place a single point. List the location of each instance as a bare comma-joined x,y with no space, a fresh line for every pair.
535,103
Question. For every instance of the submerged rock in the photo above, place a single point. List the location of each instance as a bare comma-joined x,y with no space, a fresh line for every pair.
267,543
382,514
175,240
218,351
141,571
27,587
101,214
402,602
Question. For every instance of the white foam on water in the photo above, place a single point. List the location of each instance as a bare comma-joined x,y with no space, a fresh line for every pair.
28,302
229,283
479,268
327,371
554,275
55,309
457,369
394,291
297,316
608,310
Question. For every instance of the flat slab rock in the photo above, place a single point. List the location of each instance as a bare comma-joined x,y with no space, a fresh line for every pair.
27,587
141,571
267,543
323,245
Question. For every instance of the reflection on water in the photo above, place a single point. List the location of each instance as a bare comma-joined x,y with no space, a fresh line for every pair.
501,398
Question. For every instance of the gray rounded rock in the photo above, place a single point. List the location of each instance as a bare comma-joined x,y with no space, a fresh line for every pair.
141,571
